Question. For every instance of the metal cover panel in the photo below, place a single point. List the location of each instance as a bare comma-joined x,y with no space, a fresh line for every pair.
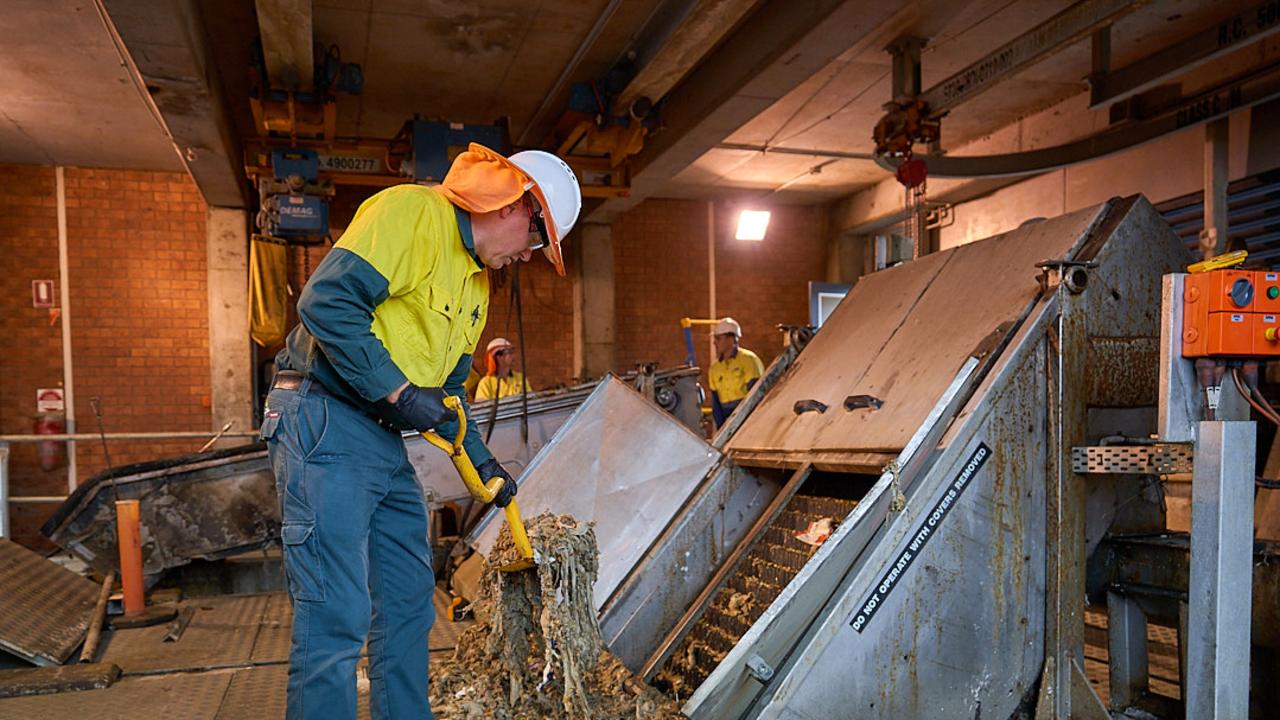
619,462
44,608
222,633
900,336
186,696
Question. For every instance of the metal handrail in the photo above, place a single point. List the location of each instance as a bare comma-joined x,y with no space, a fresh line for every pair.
174,435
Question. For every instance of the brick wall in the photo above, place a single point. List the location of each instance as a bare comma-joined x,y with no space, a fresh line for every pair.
139,316
661,256
546,301
764,284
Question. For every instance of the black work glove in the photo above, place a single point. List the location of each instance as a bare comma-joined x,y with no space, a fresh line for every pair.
422,408
491,468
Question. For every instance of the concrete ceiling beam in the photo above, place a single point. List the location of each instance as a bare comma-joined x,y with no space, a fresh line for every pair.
1066,28
775,49
287,42
168,45
678,48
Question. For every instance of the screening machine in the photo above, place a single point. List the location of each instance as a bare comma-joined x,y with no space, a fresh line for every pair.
896,531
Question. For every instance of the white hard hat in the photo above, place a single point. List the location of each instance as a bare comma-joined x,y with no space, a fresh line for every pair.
497,343
727,326
557,190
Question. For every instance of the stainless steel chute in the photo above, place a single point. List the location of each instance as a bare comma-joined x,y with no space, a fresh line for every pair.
931,596
619,462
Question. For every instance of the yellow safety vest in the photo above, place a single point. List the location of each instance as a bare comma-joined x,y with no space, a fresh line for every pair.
729,378
438,294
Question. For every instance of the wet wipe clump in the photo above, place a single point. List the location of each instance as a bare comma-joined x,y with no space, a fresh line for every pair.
536,649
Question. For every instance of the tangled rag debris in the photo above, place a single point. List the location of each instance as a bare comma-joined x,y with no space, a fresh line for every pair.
536,649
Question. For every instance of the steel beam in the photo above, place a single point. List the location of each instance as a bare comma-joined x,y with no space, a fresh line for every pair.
1258,86
1221,592
678,47
285,27
780,45
1047,38
1244,28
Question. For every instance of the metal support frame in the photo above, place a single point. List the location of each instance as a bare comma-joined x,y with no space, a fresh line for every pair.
1245,28
1221,592
1063,695
906,68
1126,650
1047,38
1149,121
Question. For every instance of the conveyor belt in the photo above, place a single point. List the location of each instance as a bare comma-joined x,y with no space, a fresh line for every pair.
765,569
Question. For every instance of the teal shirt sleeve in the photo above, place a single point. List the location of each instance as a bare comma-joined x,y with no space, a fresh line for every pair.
337,307
475,447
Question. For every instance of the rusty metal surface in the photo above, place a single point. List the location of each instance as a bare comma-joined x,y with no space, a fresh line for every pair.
1123,372
203,506
767,567
45,609
619,462
964,627
947,302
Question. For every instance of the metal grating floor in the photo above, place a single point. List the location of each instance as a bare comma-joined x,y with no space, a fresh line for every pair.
766,568
44,608
230,663
186,696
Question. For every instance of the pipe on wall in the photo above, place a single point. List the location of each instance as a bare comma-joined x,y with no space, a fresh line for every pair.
64,300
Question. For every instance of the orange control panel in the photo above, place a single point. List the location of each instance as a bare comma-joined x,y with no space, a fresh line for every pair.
1231,313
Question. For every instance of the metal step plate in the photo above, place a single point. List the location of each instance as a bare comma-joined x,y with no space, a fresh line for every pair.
44,608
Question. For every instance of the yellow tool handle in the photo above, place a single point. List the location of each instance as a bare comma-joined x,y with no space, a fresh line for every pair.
690,322
1222,261
478,489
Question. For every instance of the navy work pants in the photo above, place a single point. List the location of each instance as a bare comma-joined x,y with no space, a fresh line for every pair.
356,558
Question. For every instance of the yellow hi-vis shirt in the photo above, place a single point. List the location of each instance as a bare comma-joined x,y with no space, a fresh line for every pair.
491,386
729,378
438,296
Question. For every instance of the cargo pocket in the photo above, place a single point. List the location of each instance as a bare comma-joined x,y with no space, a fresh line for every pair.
302,565
270,422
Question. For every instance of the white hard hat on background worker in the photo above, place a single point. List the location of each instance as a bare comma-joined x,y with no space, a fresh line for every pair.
727,326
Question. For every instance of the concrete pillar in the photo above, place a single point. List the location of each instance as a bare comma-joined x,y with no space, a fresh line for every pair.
1213,239
230,357
593,304
845,257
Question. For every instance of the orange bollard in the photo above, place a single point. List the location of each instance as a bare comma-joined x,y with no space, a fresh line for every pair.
129,534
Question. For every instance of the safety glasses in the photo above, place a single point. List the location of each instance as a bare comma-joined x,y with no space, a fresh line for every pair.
537,226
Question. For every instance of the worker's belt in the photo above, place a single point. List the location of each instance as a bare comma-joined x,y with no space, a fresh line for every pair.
291,380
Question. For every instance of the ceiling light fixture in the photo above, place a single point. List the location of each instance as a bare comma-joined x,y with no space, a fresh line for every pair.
752,224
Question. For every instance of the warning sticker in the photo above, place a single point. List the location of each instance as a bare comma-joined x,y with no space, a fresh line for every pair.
894,574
